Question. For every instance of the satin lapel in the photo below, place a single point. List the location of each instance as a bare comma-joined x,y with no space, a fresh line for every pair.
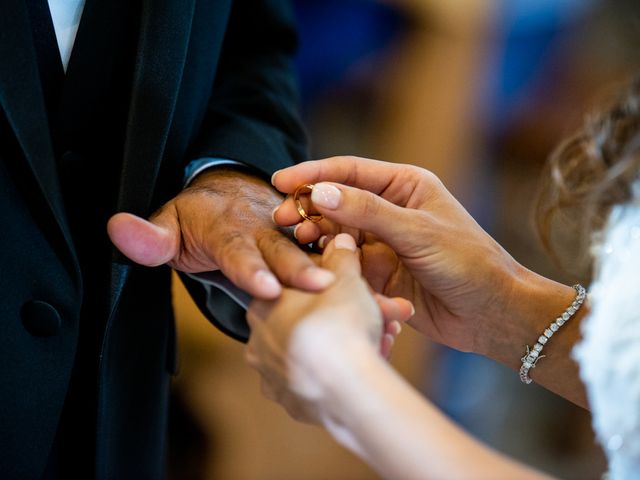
162,49
22,99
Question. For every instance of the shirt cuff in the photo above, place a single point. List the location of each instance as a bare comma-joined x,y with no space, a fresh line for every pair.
196,167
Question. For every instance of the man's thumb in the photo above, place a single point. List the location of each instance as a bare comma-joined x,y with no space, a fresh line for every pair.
144,242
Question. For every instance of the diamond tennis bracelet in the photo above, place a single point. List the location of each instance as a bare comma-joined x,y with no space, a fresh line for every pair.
532,356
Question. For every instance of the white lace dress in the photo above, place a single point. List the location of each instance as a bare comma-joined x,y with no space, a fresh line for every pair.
609,354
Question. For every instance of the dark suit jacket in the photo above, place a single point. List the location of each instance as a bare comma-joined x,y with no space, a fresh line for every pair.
211,78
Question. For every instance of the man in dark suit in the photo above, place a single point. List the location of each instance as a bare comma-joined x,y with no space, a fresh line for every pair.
156,94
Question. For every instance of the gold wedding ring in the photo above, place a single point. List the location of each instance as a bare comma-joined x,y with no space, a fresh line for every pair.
305,189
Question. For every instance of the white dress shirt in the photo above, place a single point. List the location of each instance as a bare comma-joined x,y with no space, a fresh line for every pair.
66,18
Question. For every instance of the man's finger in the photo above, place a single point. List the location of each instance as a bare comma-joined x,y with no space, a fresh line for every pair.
291,265
305,231
241,261
149,243
287,213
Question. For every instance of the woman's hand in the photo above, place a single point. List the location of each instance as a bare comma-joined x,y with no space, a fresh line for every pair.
298,340
317,356
419,243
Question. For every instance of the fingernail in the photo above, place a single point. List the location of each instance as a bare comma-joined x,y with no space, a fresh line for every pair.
321,241
413,310
273,214
344,241
394,328
320,277
273,177
325,195
268,282
295,230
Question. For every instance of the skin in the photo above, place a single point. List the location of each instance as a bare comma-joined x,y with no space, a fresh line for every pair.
222,220
317,356
320,346
331,315
419,243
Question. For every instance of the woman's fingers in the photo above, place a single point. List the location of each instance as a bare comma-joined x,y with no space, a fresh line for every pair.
395,312
342,256
372,175
397,309
351,209
307,232
386,345
366,211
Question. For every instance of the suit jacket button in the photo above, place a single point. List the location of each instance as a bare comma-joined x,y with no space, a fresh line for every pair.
40,319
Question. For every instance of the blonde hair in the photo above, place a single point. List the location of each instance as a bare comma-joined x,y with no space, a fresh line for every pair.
592,170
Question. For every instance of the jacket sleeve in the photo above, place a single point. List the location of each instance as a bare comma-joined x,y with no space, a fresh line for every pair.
252,118
253,115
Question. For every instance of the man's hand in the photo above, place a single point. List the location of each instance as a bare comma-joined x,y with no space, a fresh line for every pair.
221,221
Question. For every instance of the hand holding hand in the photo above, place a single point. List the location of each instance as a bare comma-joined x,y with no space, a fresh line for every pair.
296,340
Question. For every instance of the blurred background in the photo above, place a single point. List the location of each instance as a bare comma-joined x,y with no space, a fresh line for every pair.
478,91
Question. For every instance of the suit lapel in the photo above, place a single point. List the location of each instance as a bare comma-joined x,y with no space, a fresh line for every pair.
162,49
22,99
